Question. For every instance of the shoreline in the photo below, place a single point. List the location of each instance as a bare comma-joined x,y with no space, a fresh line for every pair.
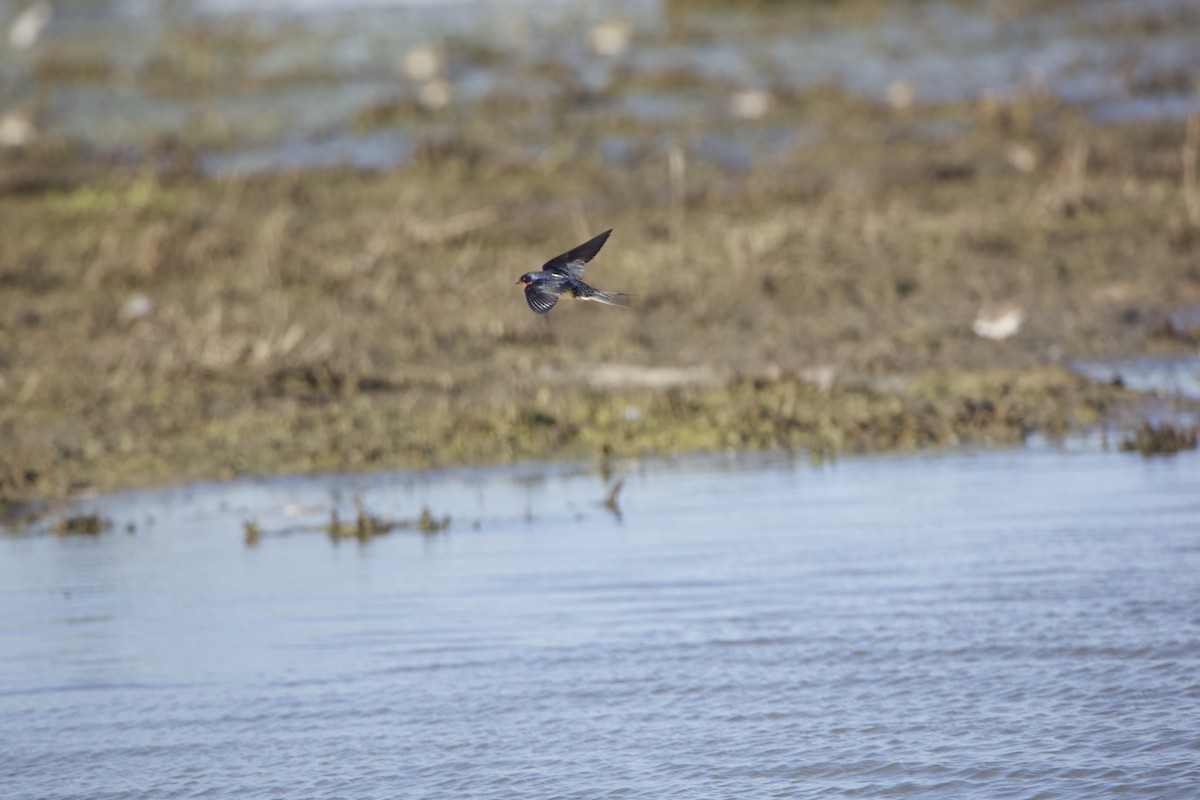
782,414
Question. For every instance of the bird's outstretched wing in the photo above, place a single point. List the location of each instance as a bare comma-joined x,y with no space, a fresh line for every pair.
571,263
539,299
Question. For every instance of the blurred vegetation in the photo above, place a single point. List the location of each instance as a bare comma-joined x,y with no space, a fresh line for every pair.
89,524
1161,439
158,323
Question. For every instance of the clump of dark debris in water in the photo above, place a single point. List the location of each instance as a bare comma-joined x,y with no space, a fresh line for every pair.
365,525
90,524
253,532
428,523
1162,439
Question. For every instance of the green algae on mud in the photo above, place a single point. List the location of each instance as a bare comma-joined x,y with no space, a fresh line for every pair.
159,327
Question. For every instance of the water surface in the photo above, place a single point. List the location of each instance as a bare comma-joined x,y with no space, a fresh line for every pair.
1005,624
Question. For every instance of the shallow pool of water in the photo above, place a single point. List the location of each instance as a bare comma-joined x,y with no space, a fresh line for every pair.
277,84
1019,623
1170,376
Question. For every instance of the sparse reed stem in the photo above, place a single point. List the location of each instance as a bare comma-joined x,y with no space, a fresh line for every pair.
677,168
1191,143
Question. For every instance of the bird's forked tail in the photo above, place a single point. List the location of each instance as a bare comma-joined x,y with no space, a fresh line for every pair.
609,298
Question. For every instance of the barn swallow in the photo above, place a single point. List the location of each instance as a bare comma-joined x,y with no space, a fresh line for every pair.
563,274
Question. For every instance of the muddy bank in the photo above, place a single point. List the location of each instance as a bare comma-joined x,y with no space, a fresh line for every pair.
831,287
165,327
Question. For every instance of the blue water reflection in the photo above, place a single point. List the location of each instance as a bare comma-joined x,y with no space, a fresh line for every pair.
969,624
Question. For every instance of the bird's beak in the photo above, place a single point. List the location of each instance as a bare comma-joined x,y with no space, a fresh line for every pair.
518,283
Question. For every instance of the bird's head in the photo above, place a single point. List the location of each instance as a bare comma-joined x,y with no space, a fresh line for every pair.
526,279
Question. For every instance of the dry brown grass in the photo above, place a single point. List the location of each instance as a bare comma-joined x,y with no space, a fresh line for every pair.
157,327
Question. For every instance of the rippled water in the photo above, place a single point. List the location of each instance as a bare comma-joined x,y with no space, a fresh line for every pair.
1005,624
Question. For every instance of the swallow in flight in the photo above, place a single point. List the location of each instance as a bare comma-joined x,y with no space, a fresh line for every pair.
564,274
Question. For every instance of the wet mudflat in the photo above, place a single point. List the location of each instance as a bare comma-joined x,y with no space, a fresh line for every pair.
283,237
1009,623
